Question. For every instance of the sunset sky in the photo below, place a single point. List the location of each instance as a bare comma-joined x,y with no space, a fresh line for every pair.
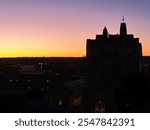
45,28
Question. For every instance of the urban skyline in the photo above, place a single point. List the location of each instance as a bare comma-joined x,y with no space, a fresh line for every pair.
113,77
59,28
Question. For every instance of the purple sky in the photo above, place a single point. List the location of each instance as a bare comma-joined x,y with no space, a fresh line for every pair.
61,27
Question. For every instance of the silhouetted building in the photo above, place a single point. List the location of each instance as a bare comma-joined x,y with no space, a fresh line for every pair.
113,57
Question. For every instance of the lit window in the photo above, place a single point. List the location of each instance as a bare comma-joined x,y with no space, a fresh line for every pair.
77,99
10,80
99,106
60,102
47,81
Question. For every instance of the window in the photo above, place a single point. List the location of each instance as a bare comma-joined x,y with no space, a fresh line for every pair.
60,102
47,81
99,106
77,99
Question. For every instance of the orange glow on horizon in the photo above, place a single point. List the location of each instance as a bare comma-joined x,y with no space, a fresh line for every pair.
60,29
38,51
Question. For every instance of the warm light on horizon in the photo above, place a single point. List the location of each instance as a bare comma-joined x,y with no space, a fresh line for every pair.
60,28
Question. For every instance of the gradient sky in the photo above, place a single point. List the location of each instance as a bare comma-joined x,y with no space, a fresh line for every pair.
61,27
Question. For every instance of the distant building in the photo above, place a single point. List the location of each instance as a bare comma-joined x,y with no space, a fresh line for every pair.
111,57
28,69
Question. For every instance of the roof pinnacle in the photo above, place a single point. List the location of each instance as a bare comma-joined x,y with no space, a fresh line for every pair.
123,19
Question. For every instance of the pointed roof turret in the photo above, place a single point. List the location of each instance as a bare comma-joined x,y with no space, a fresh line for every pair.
105,32
123,28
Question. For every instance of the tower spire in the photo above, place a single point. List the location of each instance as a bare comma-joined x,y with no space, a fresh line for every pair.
123,28
105,32
123,18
